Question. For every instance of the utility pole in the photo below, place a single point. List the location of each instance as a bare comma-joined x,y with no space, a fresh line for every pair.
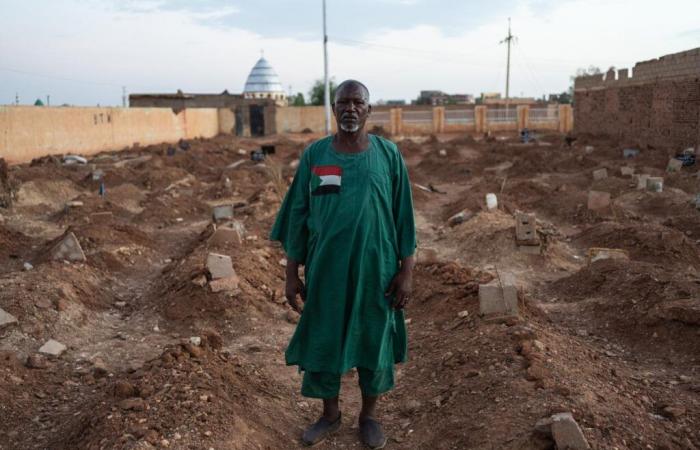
508,40
123,96
326,90
16,98
48,100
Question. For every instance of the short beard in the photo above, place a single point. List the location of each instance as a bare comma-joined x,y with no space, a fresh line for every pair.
350,128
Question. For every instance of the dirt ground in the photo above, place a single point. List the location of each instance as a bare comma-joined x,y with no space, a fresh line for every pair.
616,342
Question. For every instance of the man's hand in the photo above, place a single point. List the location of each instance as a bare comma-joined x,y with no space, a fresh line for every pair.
402,284
294,286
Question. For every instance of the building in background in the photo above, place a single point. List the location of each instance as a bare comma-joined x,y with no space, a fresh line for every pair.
439,98
263,83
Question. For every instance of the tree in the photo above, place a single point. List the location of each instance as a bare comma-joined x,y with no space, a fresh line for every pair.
318,90
38,102
298,100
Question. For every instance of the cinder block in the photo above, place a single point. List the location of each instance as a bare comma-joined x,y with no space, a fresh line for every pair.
600,174
219,266
525,230
229,233
655,184
598,200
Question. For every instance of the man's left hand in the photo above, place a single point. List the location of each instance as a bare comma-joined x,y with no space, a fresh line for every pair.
401,287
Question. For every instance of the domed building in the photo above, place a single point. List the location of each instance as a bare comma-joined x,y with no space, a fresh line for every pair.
263,83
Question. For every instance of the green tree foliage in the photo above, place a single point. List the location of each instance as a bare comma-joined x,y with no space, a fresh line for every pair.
318,90
38,102
298,100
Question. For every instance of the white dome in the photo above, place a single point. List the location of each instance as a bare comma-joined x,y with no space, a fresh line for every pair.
262,78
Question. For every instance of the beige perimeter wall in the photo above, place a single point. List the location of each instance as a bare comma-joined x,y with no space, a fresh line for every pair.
27,132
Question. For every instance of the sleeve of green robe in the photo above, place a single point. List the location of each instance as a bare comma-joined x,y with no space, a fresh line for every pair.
291,227
403,210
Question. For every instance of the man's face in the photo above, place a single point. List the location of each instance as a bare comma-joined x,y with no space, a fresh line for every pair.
351,108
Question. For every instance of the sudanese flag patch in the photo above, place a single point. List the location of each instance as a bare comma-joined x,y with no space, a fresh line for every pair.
325,180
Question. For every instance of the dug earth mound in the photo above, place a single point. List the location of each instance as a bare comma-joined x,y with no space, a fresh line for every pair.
153,345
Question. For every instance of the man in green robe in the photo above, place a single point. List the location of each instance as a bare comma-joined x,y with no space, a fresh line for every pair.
348,219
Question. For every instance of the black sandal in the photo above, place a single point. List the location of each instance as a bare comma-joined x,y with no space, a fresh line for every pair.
319,431
372,434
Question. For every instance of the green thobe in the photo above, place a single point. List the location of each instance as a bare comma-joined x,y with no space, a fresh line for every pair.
348,217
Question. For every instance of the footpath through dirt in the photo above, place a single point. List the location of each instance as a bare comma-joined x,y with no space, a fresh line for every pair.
155,358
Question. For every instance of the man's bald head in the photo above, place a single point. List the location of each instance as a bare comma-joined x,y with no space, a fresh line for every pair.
352,84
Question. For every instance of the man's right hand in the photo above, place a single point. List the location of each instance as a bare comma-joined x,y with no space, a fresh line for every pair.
294,286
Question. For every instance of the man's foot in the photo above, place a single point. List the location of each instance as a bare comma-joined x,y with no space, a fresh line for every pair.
372,434
319,431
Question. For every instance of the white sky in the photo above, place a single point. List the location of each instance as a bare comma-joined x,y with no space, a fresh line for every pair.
82,51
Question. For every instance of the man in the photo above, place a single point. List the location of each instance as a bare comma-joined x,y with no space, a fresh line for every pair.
348,218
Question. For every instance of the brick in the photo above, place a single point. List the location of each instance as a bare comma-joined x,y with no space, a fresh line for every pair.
224,284
655,184
600,174
598,200
599,253
68,249
219,266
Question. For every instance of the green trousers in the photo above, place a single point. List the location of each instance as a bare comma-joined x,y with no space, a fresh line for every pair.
327,385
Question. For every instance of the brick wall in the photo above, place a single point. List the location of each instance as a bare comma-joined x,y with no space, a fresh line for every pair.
657,105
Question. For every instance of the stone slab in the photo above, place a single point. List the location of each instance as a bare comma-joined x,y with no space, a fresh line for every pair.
530,249
600,174
674,165
642,180
219,266
655,184
598,200
6,319
53,348
626,171
630,153
567,434
598,253
68,249
222,212
498,299
525,229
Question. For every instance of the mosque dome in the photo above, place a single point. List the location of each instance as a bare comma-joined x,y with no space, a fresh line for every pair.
263,82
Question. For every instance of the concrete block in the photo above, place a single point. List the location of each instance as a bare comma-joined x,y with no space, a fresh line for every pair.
53,348
6,319
642,181
600,174
68,249
567,434
626,171
598,200
655,184
530,249
674,165
498,299
525,230
219,266
222,212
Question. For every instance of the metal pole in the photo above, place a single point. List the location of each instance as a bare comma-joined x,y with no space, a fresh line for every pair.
326,90
509,38
123,96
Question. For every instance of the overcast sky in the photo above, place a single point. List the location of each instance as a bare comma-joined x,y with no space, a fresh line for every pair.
83,51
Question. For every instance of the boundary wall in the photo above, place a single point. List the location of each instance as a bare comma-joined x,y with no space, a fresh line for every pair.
657,105
28,132
417,120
